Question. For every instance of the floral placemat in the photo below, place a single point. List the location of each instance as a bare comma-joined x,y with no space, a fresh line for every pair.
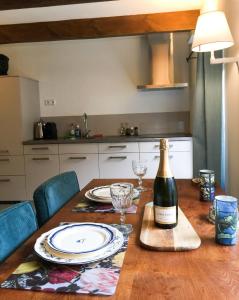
99,278
86,205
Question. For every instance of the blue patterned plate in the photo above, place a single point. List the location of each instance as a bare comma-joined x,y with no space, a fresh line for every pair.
43,250
80,238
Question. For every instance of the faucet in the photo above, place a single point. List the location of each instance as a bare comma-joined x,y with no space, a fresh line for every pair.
86,131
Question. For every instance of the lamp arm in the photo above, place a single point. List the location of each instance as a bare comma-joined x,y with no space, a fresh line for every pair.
223,60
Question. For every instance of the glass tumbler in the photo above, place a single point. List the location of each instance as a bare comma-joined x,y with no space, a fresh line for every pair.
226,220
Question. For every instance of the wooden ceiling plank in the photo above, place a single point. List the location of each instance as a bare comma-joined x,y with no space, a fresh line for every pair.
98,27
21,4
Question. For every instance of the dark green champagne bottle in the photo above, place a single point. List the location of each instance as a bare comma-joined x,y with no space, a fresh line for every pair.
165,192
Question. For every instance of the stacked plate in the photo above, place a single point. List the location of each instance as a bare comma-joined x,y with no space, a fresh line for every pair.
102,194
79,243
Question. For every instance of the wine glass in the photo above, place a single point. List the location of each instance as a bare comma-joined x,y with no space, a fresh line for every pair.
122,198
140,169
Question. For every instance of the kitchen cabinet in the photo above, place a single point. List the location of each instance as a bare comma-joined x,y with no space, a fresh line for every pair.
20,108
12,188
41,163
180,157
115,159
83,159
101,160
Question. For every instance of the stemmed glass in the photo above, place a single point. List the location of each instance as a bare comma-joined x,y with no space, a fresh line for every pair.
122,198
140,169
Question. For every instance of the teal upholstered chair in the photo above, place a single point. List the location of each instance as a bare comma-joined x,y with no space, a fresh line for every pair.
50,196
17,223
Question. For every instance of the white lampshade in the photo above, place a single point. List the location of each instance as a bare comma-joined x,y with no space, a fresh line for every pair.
212,32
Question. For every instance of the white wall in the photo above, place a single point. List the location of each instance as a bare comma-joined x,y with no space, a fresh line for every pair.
97,76
231,8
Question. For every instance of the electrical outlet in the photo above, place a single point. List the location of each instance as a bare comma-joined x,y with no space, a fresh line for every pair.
49,102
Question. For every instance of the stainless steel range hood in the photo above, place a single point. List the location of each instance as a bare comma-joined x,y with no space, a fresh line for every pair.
162,56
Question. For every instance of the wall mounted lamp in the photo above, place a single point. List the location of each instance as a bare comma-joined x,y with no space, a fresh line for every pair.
213,33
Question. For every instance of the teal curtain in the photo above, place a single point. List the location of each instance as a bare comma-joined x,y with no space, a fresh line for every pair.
207,116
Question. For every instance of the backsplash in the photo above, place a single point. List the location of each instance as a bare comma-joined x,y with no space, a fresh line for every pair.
148,123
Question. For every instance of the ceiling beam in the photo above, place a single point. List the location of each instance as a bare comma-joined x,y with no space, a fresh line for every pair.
98,27
19,4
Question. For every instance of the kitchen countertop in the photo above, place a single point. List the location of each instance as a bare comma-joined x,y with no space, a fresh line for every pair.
112,139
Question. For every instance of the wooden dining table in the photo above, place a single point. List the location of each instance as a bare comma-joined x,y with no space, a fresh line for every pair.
209,272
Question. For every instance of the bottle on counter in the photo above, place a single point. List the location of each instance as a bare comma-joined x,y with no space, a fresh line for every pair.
72,131
165,192
136,130
77,131
122,130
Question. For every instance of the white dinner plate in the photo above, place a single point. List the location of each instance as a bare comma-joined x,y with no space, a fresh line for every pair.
80,237
105,191
102,192
84,258
92,198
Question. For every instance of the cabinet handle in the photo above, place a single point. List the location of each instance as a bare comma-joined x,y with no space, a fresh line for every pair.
170,145
117,157
170,156
156,146
78,157
5,180
40,148
40,158
4,159
4,151
119,146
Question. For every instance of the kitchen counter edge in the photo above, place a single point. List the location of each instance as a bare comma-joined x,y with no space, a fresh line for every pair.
110,139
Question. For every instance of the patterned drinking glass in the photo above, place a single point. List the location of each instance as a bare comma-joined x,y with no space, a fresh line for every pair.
122,198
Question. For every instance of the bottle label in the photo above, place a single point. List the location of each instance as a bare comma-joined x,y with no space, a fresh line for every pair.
165,215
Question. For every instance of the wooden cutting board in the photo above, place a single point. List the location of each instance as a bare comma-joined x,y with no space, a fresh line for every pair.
181,238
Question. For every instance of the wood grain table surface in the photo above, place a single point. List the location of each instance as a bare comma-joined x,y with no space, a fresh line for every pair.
210,272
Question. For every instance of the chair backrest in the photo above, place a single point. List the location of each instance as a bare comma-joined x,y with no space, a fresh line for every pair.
50,196
17,223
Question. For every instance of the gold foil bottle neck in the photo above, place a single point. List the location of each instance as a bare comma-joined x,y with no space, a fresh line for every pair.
164,170
163,144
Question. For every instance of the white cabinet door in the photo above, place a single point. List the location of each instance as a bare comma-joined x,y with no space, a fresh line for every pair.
85,166
180,156
179,146
12,188
39,168
117,165
12,165
41,149
181,164
78,148
152,163
118,147
20,108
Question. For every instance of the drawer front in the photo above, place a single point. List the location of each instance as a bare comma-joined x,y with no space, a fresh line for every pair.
41,149
12,165
117,165
118,147
39,168
79,148
12,188
11,149
85,166
173,146
181,164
